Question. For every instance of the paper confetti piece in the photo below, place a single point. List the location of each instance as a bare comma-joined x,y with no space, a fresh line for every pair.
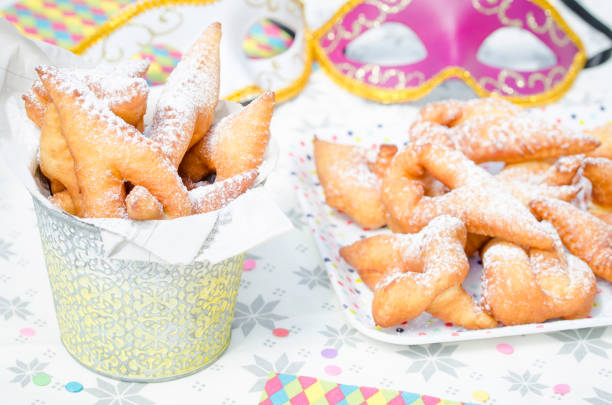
289,389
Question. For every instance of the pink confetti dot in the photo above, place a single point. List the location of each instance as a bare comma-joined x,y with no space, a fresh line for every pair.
561,389
27,332
333,370
329,353
505,348
280,332
249,265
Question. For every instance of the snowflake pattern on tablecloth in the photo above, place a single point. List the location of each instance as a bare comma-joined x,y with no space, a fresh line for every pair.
428,359
581,342
313,278
25,371
14,307
525,382
262,369
258,312
601,397
344,335
5,249
118,393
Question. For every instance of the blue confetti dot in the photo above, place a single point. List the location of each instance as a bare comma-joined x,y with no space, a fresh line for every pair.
351,270
602,108
399,330
74,386
350,133
379,125
326,259
573,116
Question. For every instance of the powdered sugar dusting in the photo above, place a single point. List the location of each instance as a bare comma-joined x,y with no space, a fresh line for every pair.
219,194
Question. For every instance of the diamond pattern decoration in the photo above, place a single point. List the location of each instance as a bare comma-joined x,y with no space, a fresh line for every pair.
287,389
61,22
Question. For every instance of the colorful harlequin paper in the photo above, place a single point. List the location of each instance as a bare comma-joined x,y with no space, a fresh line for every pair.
61,22
267,38
163,60
301,390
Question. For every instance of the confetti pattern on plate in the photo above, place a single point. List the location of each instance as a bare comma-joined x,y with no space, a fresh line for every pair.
267,38
61,22
299,390
163,60
333,229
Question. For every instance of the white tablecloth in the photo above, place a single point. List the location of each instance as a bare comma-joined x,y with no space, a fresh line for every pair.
287,316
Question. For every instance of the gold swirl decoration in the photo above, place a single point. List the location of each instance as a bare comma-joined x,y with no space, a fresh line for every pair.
135,320
499,9
129,12
549,28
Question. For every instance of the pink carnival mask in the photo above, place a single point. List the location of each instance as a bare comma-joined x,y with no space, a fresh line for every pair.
452,32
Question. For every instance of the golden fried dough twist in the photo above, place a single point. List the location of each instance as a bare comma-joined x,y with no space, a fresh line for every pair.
188,100
508,139
381,256
476,197
424,265
107,151
583,234
215,196
234,145
532,285
451,113
599,172
351,179
604,135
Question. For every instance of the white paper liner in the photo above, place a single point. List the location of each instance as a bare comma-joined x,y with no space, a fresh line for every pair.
178,241
332,230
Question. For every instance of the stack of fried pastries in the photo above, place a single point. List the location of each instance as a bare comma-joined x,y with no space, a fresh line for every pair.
542,225
101,161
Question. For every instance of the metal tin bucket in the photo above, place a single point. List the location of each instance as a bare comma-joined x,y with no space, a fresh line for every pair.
135,320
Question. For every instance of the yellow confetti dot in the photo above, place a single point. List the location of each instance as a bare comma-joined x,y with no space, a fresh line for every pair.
594,304
480,396
358,139
581,122
334,265
359,280
352,311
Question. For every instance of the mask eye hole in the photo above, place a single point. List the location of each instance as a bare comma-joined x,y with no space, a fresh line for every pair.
517,49
267,38
389,44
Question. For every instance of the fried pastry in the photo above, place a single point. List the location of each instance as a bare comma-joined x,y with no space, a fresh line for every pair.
56,162
583,234
476,197
451,113
107,151
234,145
505,139
532,285
599,172
381,256
121,87
215,196
348,175
604,135
141,205
188,100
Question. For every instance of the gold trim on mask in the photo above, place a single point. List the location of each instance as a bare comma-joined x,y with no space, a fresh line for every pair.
135,9
551,94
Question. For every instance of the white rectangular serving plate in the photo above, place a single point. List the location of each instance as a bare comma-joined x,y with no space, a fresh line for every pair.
333,229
